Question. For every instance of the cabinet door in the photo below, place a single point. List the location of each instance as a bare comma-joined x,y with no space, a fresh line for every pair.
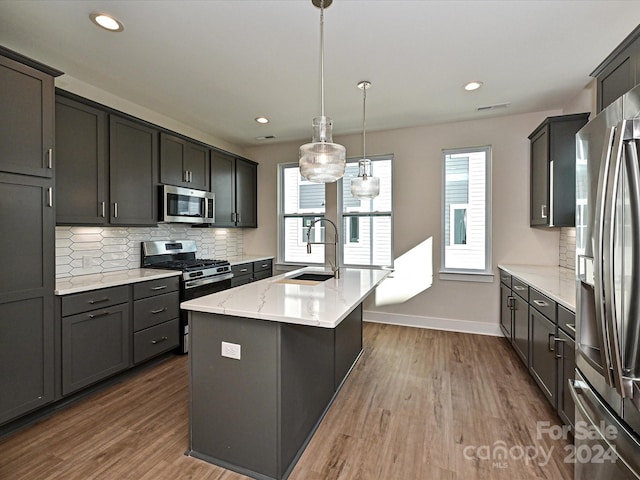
81,164
540,178
246,193
26,355
26,120
95,345
505,311
196,162
521,328
172,171
566,371
615,81
542,354
133,160
223,187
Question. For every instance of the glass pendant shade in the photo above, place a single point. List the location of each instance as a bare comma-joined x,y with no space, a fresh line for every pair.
364,185
322,161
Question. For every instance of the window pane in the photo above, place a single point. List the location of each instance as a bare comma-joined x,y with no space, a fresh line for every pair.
465,213
295,241
299,195
373,246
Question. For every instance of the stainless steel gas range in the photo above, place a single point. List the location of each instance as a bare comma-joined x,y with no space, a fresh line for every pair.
199,277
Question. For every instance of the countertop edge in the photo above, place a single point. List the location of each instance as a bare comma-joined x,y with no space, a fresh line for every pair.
568,275
248,258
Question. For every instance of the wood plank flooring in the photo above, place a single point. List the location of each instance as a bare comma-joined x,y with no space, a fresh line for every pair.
420,404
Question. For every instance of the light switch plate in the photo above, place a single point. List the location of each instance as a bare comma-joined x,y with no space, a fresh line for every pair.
230,350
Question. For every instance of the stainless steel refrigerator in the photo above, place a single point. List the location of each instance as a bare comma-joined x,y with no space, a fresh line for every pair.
607,385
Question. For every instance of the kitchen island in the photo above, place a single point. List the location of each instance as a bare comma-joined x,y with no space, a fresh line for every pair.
266,362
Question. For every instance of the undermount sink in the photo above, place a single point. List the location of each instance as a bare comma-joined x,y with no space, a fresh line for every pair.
314,277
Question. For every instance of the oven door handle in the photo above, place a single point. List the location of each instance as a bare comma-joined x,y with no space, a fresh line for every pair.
198,282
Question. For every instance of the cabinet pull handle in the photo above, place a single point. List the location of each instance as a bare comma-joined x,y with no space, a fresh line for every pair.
101,300
242,270
540,303
159,287
160,340
50,158
571,327
185,175
551,342
557,340
103,209
101,314
238,217
510,302
115,210
265,265
543,211
233,217
519,288
160,310
190,176
50,197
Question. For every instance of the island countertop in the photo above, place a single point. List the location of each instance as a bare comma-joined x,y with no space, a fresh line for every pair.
324,304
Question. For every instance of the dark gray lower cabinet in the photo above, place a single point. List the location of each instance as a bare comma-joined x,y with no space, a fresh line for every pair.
95,345
272,397
244,273
521,327
566,356
506,317
542,354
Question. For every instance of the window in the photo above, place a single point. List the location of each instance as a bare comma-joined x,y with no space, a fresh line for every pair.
367,224
301,204
466,213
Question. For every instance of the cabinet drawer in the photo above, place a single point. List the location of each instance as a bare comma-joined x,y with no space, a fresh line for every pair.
520,288
567,321
155,310
261,275
240,280
95,299
505,278
242,269
262,265
155,287
155,340
543,304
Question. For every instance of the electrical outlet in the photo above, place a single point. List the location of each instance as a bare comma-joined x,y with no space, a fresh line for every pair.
230,350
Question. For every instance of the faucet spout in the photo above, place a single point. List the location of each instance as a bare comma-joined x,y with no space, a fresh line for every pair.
334,268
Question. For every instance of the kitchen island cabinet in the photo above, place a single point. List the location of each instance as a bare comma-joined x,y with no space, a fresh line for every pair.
266,361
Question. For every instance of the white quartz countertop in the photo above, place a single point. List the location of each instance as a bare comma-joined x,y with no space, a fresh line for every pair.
557,283
247,257
85,283
325,304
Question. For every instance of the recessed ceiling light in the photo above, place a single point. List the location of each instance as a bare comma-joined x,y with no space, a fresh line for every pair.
262,119
471,86
107,22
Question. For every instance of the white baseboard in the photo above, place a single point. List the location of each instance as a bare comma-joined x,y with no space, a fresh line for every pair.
462,326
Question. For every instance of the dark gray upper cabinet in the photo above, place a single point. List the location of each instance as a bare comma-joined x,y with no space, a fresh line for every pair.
183,163
234,181
27,276
81,164
553,171
133,165
26,119
619,72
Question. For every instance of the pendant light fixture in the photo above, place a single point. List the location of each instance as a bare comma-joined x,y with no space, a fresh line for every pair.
322,161
364,185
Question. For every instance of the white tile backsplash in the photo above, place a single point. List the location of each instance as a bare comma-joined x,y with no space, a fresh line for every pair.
85,250
567,257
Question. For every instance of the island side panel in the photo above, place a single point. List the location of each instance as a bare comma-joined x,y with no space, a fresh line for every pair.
234,419
348,343
307,384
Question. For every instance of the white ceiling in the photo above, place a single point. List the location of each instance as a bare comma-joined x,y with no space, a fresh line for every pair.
217,64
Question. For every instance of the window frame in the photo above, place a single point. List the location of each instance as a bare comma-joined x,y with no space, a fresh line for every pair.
463,274
342,215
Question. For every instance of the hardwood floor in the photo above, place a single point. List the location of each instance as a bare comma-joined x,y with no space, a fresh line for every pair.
420,404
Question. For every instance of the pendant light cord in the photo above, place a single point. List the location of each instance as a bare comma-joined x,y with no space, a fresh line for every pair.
364,132
322,57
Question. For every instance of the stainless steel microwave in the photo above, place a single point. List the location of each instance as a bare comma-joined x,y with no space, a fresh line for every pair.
184,205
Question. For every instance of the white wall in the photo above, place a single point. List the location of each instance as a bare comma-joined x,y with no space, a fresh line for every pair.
457,305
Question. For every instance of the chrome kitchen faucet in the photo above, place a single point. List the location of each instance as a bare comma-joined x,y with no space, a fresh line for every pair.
334,268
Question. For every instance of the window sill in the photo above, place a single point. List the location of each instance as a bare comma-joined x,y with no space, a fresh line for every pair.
462,276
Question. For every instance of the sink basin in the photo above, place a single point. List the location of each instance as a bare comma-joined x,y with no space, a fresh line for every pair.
314,277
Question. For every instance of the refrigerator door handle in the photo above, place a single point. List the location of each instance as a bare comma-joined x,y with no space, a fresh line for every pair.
607,260
599,265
